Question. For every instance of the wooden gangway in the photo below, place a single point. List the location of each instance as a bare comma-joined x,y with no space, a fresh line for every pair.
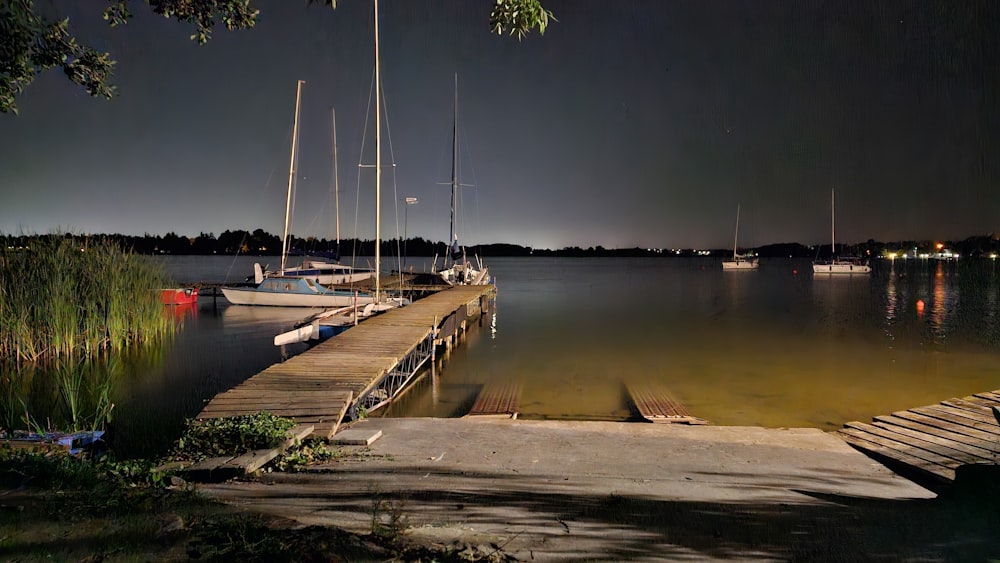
498,399
655,403
932,442
360,369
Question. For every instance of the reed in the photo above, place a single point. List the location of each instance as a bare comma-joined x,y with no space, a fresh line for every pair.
66,299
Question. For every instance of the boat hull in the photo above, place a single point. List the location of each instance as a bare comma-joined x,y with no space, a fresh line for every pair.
842,268
325,273
182,296
252,296
740,265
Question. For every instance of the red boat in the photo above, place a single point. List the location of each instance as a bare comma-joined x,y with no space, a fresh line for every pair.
181,296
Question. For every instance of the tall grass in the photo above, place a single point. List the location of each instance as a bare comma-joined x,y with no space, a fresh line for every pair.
70,308
64,299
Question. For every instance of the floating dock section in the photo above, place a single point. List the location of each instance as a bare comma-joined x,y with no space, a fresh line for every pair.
932,442
655,404
361,369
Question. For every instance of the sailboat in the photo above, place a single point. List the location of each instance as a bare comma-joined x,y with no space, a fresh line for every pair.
837,264
334,321
459,270
739,261
289,290
321,272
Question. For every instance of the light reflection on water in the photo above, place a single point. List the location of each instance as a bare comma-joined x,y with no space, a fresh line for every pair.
776,347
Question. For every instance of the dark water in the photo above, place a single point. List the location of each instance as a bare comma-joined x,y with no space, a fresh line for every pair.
776,347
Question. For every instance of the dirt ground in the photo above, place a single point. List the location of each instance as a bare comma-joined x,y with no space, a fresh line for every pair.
604,491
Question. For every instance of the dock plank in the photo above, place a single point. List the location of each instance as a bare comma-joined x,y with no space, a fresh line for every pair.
944,430
933,439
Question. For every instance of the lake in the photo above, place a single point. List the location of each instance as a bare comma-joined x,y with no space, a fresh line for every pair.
777,347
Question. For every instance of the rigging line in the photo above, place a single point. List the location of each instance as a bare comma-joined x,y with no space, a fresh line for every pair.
392,161
361,166
246,233
475,182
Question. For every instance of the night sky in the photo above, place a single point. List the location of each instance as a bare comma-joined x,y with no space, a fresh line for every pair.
629,123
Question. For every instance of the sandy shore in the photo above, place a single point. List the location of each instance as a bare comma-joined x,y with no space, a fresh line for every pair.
605,491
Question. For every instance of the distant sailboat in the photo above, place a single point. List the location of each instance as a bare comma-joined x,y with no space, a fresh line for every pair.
837,264
739,261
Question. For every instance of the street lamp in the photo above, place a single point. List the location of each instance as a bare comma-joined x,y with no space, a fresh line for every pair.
406,208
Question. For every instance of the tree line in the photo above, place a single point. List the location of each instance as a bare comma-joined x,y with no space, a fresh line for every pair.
262,243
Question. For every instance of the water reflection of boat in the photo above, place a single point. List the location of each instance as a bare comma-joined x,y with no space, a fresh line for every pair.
179,296
183,310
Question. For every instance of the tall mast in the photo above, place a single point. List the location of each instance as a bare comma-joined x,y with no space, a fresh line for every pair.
378,161
833,236
336,179
454,168
737,235
291,175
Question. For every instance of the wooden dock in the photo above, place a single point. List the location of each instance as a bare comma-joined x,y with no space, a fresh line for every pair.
499,399
359,369
655,404
932,442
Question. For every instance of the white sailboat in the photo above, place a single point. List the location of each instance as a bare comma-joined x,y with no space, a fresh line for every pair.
458,270
739,262
334,321
319,271
837,264
285,290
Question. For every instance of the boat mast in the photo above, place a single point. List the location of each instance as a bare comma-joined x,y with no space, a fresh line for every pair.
833,236
336,179
291,175
737,235
454,168
378,161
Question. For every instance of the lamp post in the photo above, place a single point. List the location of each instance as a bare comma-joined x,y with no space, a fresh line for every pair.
406,208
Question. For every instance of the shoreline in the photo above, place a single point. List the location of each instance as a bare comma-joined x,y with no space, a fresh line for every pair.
559,490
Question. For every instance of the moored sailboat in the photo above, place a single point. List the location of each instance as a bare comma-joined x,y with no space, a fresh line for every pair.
839,264
291,290
739,262
458,269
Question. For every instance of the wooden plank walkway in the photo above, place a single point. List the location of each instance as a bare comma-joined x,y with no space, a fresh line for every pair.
655,403
498,398
318,386
932,441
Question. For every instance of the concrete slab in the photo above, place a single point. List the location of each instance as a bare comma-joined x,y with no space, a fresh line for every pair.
356,437
571,491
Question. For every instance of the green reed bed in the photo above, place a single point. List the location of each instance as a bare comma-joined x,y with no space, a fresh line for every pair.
70,298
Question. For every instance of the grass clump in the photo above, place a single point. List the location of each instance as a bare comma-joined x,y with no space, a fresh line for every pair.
69,297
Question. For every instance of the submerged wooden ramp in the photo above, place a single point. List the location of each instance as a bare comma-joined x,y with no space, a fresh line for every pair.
499,399
655,403
932,442
360,369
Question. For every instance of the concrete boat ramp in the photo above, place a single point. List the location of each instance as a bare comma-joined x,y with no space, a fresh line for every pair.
609,491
